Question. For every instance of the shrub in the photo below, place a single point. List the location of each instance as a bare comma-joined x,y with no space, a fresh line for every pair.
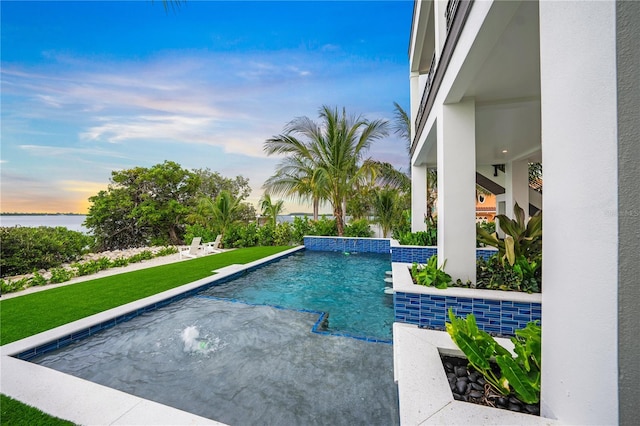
358,228
166,251
120,261
325,227
37,280
139,257
26,249
282,234
60,275
10,286
493,274
87,268
265,235
301,227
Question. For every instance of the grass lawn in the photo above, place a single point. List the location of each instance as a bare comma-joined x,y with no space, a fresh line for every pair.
34,313
15,413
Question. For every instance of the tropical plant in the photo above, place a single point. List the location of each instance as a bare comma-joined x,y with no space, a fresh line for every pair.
402,126
520,374
521,239
430,274
494,274
223,211
402,232
296,177
358,228
270,209
332,151
386,209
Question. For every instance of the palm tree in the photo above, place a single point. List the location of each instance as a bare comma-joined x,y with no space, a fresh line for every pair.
332,149
385,206
270,209
223,210
402,128
297,179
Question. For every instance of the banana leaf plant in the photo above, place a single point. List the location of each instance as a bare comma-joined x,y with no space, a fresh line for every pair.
521,239
520,374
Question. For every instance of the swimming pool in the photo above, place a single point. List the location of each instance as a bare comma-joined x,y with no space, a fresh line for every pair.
244,363
350,288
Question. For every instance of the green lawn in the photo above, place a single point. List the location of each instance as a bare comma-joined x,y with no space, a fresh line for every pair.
15,413
31,314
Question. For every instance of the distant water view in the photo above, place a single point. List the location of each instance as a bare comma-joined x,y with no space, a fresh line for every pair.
72,222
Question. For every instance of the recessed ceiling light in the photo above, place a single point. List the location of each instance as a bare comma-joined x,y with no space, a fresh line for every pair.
504,151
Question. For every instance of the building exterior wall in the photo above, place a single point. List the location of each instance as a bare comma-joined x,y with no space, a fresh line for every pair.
628,64
580,266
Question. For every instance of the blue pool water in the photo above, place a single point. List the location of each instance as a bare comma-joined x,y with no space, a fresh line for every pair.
233,354
349,287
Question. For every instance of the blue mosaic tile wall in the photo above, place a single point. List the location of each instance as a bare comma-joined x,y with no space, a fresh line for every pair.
485,253
492,316
410,254
360,245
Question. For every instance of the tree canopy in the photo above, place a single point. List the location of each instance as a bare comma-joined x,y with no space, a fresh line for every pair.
148,206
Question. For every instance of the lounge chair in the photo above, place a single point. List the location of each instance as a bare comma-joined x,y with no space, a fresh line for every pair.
213,247
193,248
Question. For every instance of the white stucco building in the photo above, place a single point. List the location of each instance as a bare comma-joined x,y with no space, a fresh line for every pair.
512,82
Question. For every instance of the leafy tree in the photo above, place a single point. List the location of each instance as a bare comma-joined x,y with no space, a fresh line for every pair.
270,209
333,150
213,183
143,205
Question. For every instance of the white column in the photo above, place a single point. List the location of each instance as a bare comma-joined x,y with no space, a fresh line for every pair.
580,246
517,186
456,189
418,197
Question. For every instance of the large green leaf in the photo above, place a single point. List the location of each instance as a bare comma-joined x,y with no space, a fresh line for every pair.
473,352
518,380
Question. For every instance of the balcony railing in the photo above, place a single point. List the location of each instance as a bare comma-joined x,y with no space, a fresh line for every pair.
427,89
450,12
455,15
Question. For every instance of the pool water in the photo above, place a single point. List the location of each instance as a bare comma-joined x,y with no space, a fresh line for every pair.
251,363
349,287
241,365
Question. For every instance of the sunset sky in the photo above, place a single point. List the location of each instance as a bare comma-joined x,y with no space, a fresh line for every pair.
91,87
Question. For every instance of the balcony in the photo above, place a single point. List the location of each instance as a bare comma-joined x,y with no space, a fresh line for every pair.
455,15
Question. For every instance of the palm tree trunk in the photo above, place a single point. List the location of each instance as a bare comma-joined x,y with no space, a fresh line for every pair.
316,208
337,213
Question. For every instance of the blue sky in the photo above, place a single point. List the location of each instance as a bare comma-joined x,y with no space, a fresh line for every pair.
91,87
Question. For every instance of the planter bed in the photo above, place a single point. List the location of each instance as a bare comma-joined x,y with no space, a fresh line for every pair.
423,389
496,312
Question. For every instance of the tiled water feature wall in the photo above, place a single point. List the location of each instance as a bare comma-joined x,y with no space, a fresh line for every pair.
495,311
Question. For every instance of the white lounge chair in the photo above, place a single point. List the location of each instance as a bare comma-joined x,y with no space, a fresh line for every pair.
214,247
193,248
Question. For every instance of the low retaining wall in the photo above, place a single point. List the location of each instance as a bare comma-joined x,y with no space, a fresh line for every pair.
496,311
420,254
348,244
